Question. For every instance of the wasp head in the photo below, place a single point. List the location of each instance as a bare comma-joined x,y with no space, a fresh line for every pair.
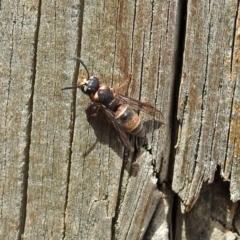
89,86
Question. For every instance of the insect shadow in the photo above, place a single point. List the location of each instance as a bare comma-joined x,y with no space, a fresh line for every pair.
106,134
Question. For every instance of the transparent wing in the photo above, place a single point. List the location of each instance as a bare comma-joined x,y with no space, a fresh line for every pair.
135,104
122,135
142,106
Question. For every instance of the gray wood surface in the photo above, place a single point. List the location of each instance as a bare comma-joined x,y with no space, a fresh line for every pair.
208,109
64,177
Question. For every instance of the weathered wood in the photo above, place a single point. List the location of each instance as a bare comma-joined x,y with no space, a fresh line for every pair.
214,216
17,77
73,168
36,59
52,121
120,38
63,176
208,100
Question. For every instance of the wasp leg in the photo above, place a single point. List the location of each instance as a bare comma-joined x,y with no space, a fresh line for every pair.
94,114
124,84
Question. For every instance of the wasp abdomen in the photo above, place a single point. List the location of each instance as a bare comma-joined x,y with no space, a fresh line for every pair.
130,120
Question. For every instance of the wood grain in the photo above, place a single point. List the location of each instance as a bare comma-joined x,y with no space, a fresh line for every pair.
207,101
63,176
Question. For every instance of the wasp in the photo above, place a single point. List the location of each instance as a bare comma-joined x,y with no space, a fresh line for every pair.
119,109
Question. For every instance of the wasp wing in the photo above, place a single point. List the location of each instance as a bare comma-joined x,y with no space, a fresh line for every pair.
122,135
137,105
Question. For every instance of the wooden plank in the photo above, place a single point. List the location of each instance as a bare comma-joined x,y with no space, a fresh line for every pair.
232,168
63,176
120,38
208,100
52,122
75,181
16,73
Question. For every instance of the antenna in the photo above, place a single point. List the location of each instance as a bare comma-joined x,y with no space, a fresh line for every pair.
79,59
71,87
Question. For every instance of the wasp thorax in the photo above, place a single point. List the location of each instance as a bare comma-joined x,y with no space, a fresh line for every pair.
89,86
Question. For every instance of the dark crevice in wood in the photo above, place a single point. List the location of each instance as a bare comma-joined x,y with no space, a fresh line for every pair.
133,33
128,165
121,192
151,26
73,110
182,19
117,27
115,43
23,205
142,67
178,73
175,223
204,96
122,189
229,128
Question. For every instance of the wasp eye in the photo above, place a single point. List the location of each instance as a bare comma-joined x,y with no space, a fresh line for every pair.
90,86
85,88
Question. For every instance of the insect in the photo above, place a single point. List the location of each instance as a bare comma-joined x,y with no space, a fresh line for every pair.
119,109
